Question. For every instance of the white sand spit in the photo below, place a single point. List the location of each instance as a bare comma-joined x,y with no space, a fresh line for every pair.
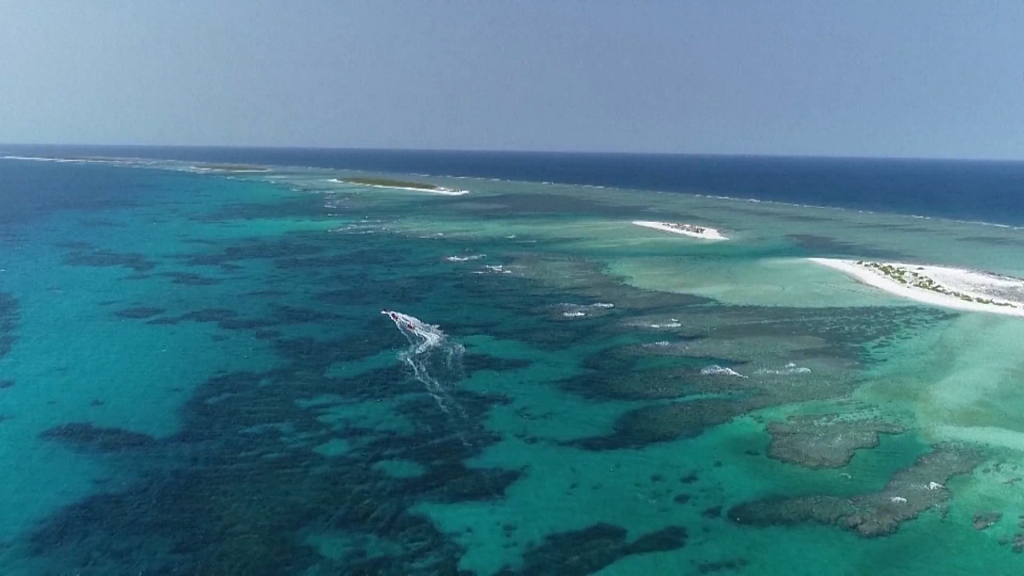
938,286
702,232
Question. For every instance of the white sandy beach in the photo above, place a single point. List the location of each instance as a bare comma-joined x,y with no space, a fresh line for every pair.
998,294
705,233
438,190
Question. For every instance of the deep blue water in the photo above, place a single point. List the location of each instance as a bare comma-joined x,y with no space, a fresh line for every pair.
961,190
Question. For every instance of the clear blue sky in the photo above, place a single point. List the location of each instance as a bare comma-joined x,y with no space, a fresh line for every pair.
921,78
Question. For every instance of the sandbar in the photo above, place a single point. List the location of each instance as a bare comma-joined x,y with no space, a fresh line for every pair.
702,232
938,286
400,185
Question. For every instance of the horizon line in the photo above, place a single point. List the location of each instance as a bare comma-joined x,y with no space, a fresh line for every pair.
520,151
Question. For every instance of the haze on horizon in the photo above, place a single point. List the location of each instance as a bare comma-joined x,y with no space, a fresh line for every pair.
918,78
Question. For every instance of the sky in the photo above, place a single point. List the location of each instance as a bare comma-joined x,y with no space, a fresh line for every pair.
914,78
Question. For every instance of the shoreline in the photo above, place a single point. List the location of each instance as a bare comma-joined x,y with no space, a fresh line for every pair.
933,285
702,232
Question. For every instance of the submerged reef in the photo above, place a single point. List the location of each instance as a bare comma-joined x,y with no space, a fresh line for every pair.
139,312
333,449
8,322
824,441
84,254
592,549
908,493
661,423
825,346
84,435
265,461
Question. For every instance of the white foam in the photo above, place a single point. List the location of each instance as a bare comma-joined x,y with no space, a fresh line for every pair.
790,368
716,370
494,269
464,258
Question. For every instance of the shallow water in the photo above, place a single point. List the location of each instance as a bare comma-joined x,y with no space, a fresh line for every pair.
197,379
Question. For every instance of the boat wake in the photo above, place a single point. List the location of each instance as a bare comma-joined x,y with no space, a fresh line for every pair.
435,360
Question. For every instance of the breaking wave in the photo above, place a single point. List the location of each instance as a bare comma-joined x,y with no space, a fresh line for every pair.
716,370
464,258
581,310
790,368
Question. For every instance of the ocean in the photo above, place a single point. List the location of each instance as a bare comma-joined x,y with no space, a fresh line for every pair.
267,369
983,191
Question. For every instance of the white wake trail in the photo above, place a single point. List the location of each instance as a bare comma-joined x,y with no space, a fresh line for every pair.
435,360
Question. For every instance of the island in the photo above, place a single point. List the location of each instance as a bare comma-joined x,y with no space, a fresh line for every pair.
702,232
400,185
938,286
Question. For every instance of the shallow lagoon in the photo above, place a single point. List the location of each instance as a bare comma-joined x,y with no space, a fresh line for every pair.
201,382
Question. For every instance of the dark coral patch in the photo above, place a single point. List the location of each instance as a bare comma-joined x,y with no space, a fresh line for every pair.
825,441
84,435
139,312
474,362
256,249
86,255
712,512
8,321
283,314
586,551
722,566
190,279
661,423
909,493
826,245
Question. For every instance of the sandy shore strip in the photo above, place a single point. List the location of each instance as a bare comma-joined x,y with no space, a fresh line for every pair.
938,286
702,232
431,189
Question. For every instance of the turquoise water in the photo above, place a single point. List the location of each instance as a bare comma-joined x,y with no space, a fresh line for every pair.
196,379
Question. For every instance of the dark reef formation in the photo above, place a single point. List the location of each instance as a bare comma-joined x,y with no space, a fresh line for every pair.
244,486
983,520
833,338
664,422
241,487
139,312
824,441
818,245
909,493
586,551
86,436
8,322
83,254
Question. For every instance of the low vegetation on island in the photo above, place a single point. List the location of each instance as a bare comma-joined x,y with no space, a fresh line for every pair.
914,279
